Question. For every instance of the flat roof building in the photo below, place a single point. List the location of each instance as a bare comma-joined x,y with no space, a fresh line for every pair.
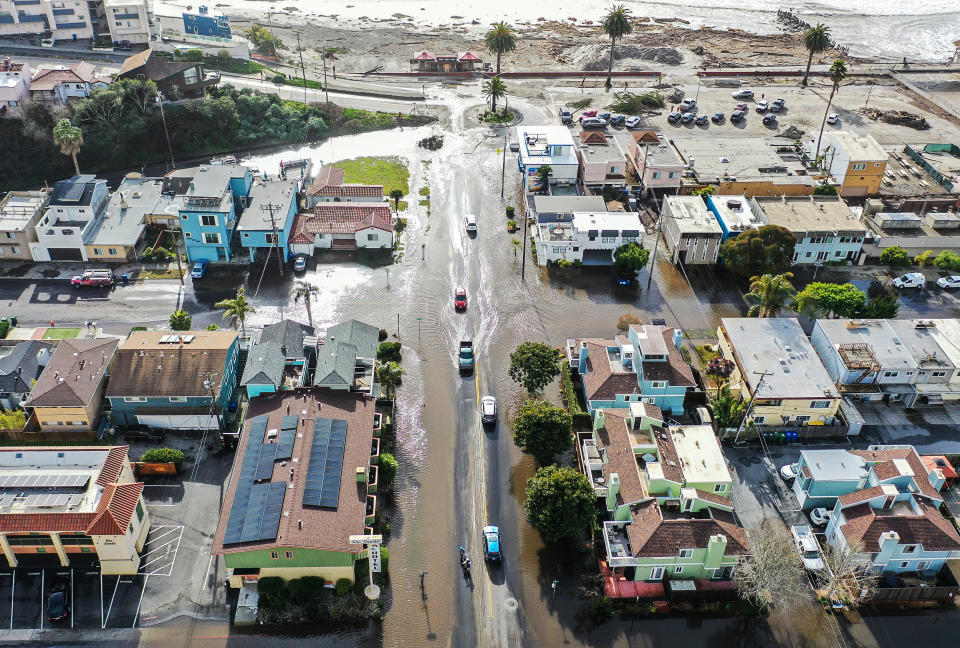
690,231
546,146
825,227
20,211
734,214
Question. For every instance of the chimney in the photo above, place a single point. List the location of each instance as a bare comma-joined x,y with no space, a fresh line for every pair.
598,420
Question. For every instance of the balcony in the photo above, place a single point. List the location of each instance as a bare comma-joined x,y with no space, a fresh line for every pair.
617,544
372,479
371,511
593,467
375,451
377,424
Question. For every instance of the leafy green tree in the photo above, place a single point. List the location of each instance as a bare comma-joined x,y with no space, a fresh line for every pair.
895,256
838,72
543,175
706,190
772,293
824,190
499,40
389,375
388,468
237,309
396,195
222,113
630,258
263,41
617,25
560,503
180,320
882,307
767,250
727,409
194,55
820,299
69,138
815,40
924,258
720,369
494,89
947,260
543,430
534,365
141,94
389,352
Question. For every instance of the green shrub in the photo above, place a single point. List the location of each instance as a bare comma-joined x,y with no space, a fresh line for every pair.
895,256
389,352
279,78
14,420
511,225
947,260
194,55
569,393
212,327
306,589
924,258
388,468
163,455
272,591
344,585
510,211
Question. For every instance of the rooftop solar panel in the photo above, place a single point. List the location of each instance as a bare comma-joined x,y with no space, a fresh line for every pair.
289,422
44,480
326,464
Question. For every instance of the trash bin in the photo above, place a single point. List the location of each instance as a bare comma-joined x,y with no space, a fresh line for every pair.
125,279
13,321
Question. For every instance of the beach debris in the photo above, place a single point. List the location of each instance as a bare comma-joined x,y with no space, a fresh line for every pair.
431,143
792,133
675,96
897,117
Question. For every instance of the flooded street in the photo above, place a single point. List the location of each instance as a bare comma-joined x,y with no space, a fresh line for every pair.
455,477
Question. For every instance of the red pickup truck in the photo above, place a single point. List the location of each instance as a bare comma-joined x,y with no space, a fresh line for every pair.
93,278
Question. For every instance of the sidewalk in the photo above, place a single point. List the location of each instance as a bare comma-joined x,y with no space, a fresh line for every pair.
67,269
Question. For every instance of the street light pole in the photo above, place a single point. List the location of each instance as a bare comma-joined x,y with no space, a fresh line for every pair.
656,242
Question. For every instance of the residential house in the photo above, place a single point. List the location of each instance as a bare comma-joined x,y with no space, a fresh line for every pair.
268,218
203,23
15,79
277,361
330,187
734,214
179,381
779,371
61,84
346,358
304,480
560,209
175,79
655,162
667,493
690,231
118,234
590,239
602,163
887,360
58,20
75,207
211,199
644,365
93,516
68,395
20,369
740,165
826,229
127,21
854,163
445,63
20,211
547,146
354,226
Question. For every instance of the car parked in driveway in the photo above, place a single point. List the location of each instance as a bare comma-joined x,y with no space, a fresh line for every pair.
910,280
789,472
632,122
820,516
300,263
807,547
58,605
199,270
953,281
743,93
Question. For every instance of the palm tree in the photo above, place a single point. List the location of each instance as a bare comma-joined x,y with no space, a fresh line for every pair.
237,308
389,375
307,291
617,25
180,320
838,72
727,409
69,138
772,292
494,89
396,194
543,175
499,40
815,39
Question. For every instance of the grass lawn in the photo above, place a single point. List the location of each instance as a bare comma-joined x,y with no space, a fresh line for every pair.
153,273
390,172
402,205
424,191
61,333
424,203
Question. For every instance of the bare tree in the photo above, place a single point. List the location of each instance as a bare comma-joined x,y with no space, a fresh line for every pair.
772,574
625,320
847,576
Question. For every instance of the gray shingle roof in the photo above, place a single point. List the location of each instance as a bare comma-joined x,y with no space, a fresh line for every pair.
335,363
265,362
287,333
362,336
20,367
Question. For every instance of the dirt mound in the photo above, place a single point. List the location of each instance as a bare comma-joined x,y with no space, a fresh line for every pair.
792,132
675,96
898,117
629,57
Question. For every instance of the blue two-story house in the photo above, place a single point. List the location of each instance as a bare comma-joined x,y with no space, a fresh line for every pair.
212,199
268,218
643,366
177,381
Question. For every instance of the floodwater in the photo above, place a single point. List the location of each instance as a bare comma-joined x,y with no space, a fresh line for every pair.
454,476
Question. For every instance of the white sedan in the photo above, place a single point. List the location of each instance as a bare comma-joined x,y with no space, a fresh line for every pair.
789,472
820,516
953,281
833,118
632,122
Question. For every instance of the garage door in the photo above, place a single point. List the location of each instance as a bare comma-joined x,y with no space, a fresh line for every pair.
178,421
65,254
597,257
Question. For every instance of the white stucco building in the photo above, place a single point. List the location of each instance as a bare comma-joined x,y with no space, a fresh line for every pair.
589,238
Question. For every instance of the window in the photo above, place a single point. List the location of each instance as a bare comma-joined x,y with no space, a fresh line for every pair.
673,174
908,549
816,239
98,251
373,237
891,374
184,216
796,255
77,423
274,554
86,549
1,250
776,402
270,238
837,253
658,384
759,419
657,175
922,565
112,251
903,565
134,399
9,235
939,374
650,401
656,573
686,553
178,399
719,488
131,528
190,76
208,220
211,238
139,511
678,569
802,418
41,550
809,254
859,166
14,249
820,404
288,554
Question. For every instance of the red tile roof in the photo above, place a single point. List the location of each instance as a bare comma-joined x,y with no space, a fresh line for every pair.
881,462
424,56
329,176
113,466
340,218
50,79
592,137
600,382
941,463
652,536
117,504
645,136
714,498
468,56
929,529
861,495
348,190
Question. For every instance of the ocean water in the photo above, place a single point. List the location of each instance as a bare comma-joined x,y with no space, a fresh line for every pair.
924,30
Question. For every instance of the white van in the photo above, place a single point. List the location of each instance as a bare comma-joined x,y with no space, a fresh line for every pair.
910,280
470,222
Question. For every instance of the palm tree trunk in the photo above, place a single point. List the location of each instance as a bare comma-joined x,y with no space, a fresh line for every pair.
493,101
824,122
76,167
807,73
309,312
498,63
613,42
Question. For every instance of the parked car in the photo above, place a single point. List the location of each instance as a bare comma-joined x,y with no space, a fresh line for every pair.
820,516
762,106
566,117
717,117
740,106
769,119
96,278
687,105
605,116
910,280
833,118
618,120
789,472
58,607
632,122
470,222
460,299
687,117
807,547
514,147
737,115
300,263
701,120
488,409
491,544
199,270
953,281
587,113
593,122
143,433
673,117
743,93
777,104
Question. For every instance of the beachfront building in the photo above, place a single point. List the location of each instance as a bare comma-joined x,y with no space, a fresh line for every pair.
118,235
15,79
551,146
655,162
330,187
589,239
855,163
336,226
602,163
826,229
57,20
425,61
267,220
734,214
75,207
560,209
690,231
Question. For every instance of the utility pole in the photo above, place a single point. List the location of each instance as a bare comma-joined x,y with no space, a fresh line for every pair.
176,245
503,167
753,397
656,242
273,223
209,382
302,71
323,57
523,256
163,118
